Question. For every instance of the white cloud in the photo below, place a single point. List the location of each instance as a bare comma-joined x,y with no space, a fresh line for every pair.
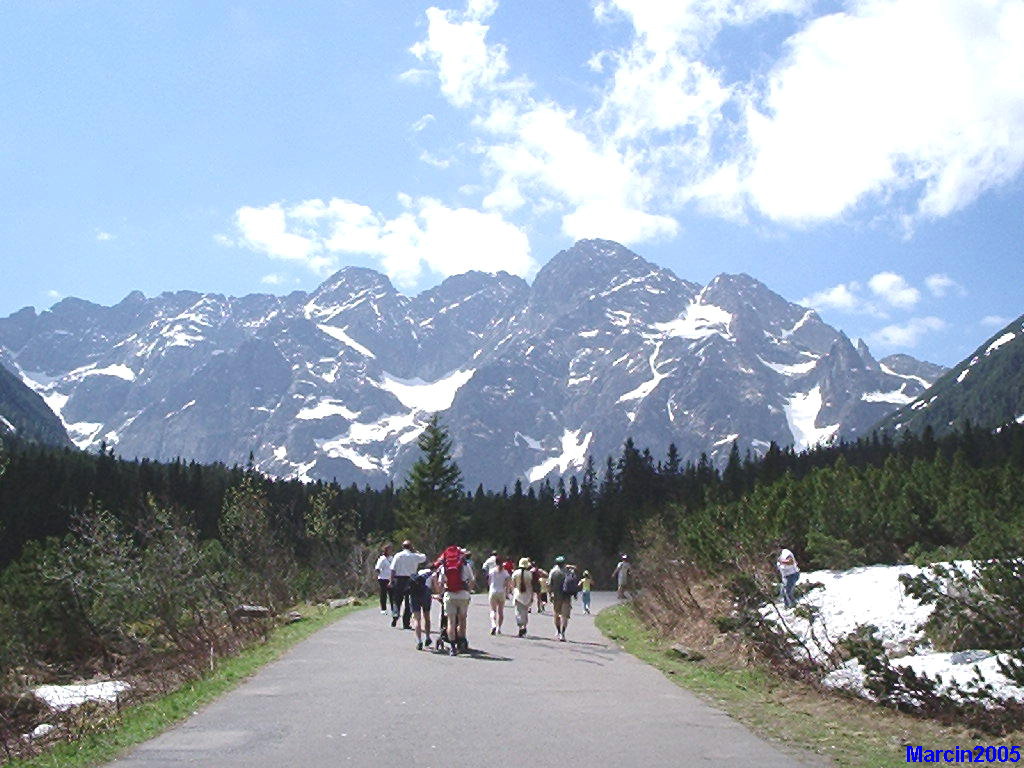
422,123
54,294
272,279
995,321
941,285
915,105
894,290
428,235
103,237
921,97
843,296
437,162
907,334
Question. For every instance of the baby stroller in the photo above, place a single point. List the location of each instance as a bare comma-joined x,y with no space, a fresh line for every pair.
442,644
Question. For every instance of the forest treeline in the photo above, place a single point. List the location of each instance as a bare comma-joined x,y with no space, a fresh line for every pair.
873,500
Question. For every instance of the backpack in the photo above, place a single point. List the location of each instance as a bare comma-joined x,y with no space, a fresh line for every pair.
570,584
452,562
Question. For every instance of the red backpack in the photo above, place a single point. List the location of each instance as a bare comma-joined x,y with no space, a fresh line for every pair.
453,560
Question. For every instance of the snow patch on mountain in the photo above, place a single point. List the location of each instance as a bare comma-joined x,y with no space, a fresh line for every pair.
1005,338
574,454
117,370
794,369
698,322
7,425
644,389
896,396
802,411
341,335
325,408
430,396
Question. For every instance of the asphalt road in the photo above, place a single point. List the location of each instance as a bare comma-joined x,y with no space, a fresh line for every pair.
358,693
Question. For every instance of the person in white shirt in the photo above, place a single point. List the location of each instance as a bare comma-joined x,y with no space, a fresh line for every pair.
383,568
403,567
498,588
790,573
522,593
621,575
456,605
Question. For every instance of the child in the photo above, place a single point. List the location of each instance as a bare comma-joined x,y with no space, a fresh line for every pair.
585,583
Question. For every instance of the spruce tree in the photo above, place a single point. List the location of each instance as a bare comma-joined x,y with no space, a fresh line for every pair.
431,498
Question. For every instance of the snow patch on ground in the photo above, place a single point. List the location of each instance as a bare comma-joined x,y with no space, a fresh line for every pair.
7,424
530,442
1006,337
324,408
430,396
341,335
698,322
799,324
1020,419
574,453
62,697
909,377
801,414
873,595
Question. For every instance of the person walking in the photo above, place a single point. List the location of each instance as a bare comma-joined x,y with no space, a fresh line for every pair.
422,589
539,578
563,583
403,567
456,578
585,584
498,589
522,593
383,568
790,573
621,576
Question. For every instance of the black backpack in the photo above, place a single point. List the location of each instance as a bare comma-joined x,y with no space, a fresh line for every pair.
570,584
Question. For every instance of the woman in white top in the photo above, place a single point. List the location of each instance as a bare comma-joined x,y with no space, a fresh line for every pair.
498,583
383,568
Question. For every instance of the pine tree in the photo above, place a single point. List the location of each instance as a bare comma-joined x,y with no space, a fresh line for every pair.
431,499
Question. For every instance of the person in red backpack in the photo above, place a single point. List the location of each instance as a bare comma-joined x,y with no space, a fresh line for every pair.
456,578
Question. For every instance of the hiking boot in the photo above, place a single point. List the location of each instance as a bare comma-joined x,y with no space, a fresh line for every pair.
427,642
561,638
394,621
419,646
494,630
522,631
453,651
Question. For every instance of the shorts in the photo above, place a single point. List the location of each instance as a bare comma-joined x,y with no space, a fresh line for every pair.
456,603
420,600
562,605
497,598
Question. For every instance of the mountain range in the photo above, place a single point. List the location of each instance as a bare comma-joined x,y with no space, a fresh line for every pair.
528,378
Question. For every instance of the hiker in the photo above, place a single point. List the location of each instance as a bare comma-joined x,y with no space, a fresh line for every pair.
490,561
585,584
498,589
539,575
564,583
790,573
383,569
522,593
456,577
403,567
423,586
621,575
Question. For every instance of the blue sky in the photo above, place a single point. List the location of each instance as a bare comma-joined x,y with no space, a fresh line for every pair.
864,156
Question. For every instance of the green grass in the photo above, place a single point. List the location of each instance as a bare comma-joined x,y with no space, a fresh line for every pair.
848,732
143,721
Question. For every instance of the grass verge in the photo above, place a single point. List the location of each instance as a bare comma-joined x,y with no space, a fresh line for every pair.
848,732
140,722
